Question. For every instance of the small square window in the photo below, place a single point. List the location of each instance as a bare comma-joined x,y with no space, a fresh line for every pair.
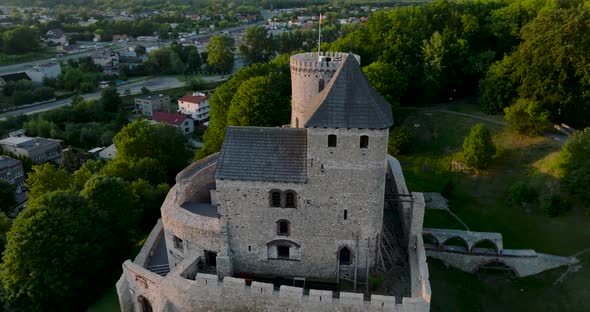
364,141
332,140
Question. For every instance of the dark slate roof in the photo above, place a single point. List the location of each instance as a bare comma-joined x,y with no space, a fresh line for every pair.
263,154
349,101
15,77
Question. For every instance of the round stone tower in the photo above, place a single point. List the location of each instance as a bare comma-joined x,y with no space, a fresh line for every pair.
310,73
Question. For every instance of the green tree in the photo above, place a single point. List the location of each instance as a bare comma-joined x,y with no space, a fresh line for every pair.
165,61
258,102
20,40
527,117
159,141
110,100
46,178
257,45
7,196
5,225
112,198
575,163
478,147
55,256
220,53
387,80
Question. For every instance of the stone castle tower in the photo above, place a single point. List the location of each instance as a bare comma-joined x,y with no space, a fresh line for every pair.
310,72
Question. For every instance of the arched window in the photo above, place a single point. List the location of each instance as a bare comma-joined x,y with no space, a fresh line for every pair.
296,122
290,199
144,304
364,141
344,256
332,140
283,228
275,198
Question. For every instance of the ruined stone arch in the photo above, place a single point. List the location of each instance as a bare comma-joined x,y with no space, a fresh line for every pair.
144,304
429,238
485,243
456,241
498,264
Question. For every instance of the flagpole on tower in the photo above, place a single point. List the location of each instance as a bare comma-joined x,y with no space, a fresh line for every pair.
320,33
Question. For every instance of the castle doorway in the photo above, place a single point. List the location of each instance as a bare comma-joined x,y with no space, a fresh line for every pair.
344,256
210,258
144,304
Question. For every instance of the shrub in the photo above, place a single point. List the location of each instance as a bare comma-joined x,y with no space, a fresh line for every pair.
376,281
521,193
400,140
478,148
575,163
527,117
553,205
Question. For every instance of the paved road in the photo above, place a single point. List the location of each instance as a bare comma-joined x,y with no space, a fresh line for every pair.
154,84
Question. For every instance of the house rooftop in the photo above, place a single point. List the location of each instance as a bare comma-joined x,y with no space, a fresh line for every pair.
15,77
263,154
174,119
151,97
7,162
349,101
193,98
28,143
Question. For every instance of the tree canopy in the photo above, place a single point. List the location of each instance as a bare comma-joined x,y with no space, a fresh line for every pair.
257,46
220,53
54,257
478,147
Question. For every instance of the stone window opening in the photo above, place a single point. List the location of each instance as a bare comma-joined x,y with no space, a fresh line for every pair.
177,242
332,140
364,141
144,304
321,85
275,198
283,228
283,252
296,122
290,201
344,256
345,214
210,258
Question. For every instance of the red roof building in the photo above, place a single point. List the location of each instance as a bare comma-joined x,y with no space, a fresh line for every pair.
180,121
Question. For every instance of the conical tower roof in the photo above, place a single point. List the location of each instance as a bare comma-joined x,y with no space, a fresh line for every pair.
349,101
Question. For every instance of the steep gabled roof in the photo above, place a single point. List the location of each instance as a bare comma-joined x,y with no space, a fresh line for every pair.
349,101
263,154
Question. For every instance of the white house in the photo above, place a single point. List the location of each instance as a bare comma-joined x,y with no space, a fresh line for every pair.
39,72
56,36
195,105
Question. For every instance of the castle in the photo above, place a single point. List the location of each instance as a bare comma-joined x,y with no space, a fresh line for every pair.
280,218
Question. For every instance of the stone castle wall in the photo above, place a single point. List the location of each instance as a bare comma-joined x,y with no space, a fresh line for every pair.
174,293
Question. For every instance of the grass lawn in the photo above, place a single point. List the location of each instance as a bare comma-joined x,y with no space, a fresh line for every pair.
481,201
107,303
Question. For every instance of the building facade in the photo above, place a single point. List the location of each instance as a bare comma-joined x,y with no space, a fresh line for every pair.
147,105
11,171
195,105
50,70
302,204
40,150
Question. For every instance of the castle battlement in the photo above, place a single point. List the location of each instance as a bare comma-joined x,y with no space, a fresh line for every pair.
311,61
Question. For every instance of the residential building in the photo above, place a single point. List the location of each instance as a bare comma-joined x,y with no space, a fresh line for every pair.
108,153
11,171
50,70
40,150
56,36
106,58
147,105
180,121
195,105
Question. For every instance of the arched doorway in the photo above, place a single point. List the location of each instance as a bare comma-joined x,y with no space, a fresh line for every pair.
144,304
344,256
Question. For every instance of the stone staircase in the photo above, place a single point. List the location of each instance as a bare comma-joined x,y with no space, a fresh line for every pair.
160,269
